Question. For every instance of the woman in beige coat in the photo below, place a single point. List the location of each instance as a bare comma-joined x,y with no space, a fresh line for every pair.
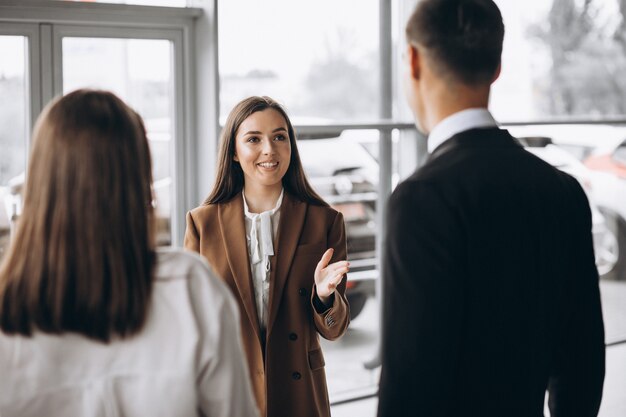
281,249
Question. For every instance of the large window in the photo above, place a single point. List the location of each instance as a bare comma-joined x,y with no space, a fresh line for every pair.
562,59
321,60
141,54
140,72
318,58
13,118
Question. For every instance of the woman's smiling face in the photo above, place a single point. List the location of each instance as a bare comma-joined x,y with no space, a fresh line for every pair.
263,149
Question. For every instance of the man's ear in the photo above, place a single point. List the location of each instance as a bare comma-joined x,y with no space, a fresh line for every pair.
497,73
415,61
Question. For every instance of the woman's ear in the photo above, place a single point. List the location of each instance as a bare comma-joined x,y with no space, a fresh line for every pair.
235,158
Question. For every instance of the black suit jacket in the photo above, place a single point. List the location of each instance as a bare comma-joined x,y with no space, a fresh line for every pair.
491,291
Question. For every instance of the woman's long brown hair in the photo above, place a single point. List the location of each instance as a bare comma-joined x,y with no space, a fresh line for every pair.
83,255
229,179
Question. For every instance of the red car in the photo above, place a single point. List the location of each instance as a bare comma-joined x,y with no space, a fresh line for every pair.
611,159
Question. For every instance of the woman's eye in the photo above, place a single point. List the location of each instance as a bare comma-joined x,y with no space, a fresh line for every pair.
252,139
280,137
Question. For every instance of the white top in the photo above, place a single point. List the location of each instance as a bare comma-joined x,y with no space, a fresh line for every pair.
186,361
459,122
261,230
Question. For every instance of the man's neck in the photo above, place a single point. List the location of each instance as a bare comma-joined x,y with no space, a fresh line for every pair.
444,102
467,119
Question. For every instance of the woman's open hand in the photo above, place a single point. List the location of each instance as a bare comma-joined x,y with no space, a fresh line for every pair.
327,277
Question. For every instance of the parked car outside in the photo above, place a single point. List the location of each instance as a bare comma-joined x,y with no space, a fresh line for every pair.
5,222
602,148
609,158
10,208
610,193
346,176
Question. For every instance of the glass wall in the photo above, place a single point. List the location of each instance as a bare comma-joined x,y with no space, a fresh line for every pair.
140,72
563,63
562,59
144,55
13,135
320,59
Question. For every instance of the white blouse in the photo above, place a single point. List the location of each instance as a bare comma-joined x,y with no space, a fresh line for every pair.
261,230
186,361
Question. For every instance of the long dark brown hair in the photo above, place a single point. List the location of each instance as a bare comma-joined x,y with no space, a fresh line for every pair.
229,178
83,255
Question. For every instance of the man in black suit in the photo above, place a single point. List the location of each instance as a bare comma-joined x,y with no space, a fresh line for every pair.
491,292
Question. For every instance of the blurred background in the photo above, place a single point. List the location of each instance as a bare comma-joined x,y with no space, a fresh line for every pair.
336,66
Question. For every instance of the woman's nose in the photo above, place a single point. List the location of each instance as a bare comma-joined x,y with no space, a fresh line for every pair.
268,147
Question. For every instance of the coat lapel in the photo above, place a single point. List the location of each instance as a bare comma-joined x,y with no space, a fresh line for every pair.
292,215
233,229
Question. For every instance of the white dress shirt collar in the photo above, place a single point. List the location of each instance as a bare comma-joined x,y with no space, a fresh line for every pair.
261,229
262,246
459,122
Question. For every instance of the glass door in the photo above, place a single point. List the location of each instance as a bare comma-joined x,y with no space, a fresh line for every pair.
18,45
139,71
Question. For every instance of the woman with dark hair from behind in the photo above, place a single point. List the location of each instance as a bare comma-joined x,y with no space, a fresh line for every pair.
93,320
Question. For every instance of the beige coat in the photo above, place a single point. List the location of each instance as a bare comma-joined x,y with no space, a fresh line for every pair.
291,381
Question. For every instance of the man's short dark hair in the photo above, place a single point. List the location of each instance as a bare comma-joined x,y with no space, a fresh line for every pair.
463,38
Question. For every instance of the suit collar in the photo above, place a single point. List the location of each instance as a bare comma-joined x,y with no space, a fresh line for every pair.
458,122
479,137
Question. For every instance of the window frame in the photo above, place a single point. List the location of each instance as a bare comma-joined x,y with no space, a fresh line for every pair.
32,76
45,24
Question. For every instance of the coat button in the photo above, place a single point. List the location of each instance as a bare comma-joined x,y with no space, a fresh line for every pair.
296,375
293,336
302,291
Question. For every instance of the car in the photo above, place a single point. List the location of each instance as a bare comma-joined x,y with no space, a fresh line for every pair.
346,176
610,192
5,223
609,158
602,149
10,207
